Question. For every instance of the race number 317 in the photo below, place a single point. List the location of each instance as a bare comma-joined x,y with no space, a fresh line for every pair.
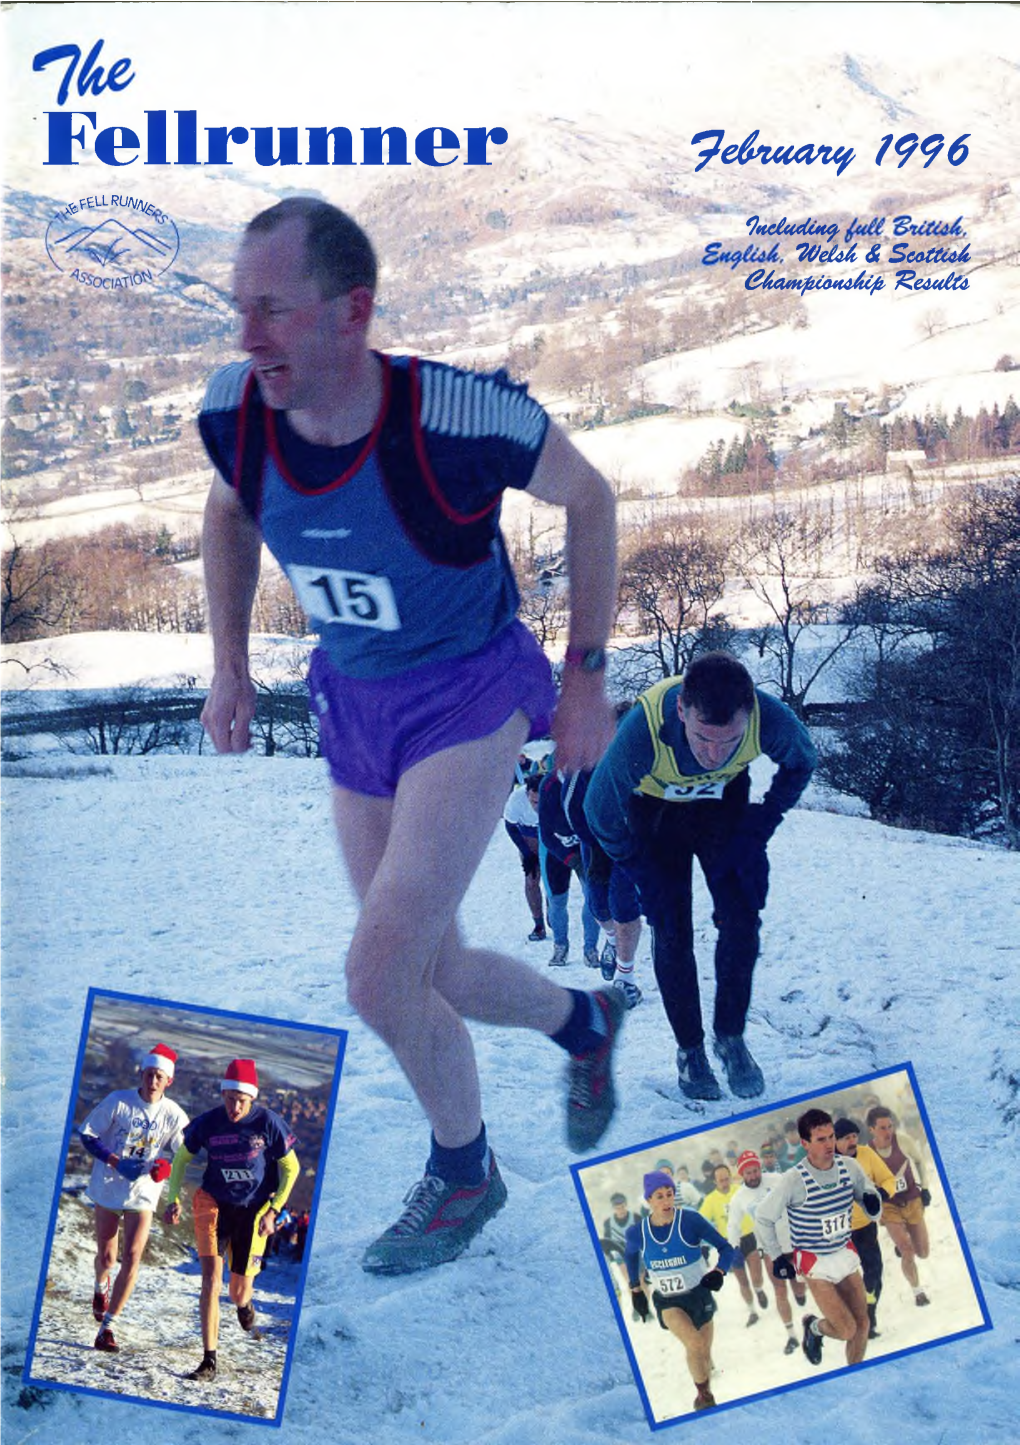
357,598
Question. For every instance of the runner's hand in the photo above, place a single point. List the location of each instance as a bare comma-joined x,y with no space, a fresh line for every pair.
714,1279
871,1202
584,723
160,1171
131,1168
783,1267
228,712
172,1213
639,1300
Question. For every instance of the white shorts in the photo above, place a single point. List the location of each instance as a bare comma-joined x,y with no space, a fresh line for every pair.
831,1268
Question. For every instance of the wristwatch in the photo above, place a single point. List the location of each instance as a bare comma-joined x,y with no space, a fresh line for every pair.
588,659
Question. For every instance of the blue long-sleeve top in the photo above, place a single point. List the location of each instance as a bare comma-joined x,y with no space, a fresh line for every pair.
784,739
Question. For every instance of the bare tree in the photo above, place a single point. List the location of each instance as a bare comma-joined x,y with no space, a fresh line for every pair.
782,557
672,579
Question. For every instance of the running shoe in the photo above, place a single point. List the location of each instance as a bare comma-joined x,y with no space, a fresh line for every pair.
801,1297
105,1341
791,1347
812,1343
742,1073
246,1319
559,955
101,1302
537,934
438,1223
591,957
591,1097
694,1074
704,1400
752,1319
607,963
763,1299
205,1371
631,993
921,1298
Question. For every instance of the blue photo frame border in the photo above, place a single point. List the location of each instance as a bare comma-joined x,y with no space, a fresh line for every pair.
40,1382
814,1096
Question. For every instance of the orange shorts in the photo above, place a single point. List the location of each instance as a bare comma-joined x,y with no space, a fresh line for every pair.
912,1213
231,1230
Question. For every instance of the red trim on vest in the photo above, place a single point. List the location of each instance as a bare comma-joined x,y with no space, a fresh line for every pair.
425,466
356,465
242,429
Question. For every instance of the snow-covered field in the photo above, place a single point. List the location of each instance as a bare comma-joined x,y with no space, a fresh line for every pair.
216,882
161,1338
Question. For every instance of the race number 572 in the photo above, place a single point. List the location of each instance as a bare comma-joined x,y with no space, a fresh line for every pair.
358,599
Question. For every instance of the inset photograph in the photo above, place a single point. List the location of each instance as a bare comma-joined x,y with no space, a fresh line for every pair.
781,1246
184,1207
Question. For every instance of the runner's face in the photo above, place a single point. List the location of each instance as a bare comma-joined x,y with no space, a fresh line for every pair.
722,1179
294,335
752,1176
712,744
882,1132
660,1201
236,1104
821,1147
154,1085
847,1145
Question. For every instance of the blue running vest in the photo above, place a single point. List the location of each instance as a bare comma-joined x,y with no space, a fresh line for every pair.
392,572
674,1265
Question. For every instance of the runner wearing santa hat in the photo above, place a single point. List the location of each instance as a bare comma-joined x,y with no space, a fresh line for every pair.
131,1135
250,1170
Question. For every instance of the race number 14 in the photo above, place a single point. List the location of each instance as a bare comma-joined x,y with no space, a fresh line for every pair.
357,598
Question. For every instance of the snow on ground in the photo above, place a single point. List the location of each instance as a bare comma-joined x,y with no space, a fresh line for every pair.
161,1338
215,882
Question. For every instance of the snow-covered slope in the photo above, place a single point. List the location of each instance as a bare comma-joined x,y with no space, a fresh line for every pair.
216,882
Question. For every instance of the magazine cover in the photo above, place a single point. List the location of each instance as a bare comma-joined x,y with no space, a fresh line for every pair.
421,296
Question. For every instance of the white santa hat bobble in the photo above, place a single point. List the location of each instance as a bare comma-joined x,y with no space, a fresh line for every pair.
161,1057
242,1077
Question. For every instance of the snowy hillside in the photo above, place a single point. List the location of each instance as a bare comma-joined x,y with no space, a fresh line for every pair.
216,882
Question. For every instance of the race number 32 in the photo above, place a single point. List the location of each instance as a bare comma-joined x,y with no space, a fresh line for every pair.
358,599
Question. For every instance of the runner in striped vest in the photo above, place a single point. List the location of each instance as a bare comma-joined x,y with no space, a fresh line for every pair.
804,1227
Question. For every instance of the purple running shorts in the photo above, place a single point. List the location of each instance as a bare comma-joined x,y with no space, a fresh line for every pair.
372,730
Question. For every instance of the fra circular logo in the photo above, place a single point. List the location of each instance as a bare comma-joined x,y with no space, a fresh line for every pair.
112,242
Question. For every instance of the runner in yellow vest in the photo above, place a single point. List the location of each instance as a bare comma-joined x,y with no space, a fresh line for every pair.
673,787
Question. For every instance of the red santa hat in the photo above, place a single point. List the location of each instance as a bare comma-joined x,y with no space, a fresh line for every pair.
242,1077
160,1057
746,1160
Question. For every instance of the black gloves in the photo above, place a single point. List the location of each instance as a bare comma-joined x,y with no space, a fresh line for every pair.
783,1267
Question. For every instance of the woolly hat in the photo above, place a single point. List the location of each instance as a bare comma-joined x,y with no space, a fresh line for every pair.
618,1199
161,1057
666,1164
746,1159
242,1077
658,1179
843,1127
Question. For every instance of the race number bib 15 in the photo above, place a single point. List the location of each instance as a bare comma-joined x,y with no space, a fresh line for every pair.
694,792
357,598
